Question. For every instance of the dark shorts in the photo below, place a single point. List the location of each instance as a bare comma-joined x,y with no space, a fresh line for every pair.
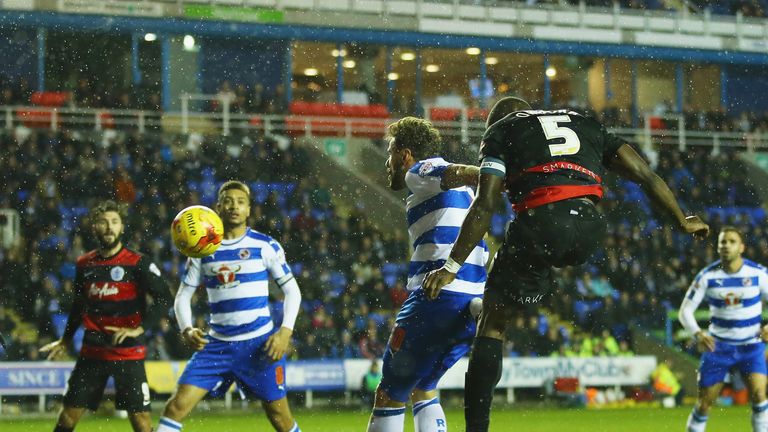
560,234
89,377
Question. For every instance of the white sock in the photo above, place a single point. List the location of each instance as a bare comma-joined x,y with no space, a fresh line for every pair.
760,417
696,422
168,425
428,416
295,428
387,420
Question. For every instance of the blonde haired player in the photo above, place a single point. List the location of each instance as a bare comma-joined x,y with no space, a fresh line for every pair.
242,345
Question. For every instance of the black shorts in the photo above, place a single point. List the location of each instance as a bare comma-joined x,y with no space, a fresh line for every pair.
89,377
560,234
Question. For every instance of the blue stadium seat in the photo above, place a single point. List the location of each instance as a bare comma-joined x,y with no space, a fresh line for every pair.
297,268
338,283
259,192
59,322
67,270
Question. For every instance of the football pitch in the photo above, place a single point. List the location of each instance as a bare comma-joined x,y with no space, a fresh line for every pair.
504,420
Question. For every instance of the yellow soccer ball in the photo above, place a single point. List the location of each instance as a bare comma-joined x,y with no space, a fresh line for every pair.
197,231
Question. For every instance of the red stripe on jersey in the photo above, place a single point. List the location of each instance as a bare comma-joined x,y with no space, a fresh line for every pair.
111,291
549,194
98,322
113,353
551,167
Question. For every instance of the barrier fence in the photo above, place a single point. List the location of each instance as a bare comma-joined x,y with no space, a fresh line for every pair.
50,378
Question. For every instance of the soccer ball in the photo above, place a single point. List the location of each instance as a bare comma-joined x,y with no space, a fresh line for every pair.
197,231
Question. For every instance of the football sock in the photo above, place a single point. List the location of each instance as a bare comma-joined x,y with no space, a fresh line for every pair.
387,420
428,416
760,417
62,429
483,374
295,428
168,425
696,422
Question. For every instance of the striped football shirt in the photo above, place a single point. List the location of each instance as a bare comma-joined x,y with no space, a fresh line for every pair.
735,300
236,278
434,220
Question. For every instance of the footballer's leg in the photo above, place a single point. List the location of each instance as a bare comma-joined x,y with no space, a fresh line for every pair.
84,390
712,371
140,421
428,414
68,418
484,370
753,367
697,420
279,414
132,393
181,403
756,383
207,371
388,414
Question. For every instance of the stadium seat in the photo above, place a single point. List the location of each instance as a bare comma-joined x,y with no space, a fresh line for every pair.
50,99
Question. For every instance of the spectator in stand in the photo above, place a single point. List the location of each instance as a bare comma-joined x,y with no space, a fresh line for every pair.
369,383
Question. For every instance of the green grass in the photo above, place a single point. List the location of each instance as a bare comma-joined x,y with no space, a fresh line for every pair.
503,420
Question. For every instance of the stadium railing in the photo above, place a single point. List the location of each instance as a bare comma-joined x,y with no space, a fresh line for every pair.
339,127
50,378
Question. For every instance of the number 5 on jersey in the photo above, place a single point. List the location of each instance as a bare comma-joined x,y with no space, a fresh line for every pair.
552,131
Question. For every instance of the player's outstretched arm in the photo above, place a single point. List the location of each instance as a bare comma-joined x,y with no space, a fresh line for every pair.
473,229
457,175
628,164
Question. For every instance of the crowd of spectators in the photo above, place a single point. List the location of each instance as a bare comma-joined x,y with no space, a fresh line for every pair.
52,177
351,274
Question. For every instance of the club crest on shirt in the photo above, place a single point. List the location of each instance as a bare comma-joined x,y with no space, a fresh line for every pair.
425,169
746,282
244,254
227,275
117,273
732,299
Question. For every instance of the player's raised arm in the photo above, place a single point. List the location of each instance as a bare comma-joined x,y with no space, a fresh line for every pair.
473,229
628,164
457,175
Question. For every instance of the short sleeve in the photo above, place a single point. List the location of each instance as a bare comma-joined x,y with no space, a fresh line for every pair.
763,283
425,178
611,145
494,144
274,259
697,289
193,275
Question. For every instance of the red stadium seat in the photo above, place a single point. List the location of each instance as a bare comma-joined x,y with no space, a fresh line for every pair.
50,99
657,123
444,114
34,118
107,121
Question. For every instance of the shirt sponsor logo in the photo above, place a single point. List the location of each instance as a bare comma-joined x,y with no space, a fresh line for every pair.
101,291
